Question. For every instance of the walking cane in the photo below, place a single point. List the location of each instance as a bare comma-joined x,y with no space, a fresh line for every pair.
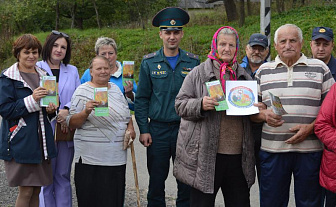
135,174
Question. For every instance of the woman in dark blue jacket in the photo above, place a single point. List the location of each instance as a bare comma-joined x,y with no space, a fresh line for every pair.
26,138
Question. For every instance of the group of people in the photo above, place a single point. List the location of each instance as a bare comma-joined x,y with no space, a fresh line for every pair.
34,158
177,120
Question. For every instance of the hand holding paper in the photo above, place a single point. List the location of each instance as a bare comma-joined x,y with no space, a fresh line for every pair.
273,119
209,103
276,105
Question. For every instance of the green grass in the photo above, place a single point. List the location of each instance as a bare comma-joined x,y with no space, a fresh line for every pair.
133,44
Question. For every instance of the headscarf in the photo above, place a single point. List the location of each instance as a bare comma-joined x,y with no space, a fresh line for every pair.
224,66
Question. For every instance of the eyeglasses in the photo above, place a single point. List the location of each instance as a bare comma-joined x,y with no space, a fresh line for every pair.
59,33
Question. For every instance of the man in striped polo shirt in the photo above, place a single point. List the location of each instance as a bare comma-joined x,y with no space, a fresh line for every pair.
289,145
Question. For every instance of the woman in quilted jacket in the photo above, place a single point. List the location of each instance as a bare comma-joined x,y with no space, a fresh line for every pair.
325,129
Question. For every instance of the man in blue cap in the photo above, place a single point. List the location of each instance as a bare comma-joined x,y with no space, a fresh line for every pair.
322,45
161,76
256,53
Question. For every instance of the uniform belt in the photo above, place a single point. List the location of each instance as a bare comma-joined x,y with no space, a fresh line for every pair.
166,123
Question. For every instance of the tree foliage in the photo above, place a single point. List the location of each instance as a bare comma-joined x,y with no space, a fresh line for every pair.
44,15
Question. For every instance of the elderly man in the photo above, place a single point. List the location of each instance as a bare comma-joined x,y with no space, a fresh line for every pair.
256,52
160,79
288,143
322,45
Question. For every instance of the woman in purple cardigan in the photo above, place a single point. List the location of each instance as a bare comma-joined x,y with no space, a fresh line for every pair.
56,54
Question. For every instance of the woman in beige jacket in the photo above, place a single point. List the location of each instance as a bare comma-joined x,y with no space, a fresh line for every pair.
214,150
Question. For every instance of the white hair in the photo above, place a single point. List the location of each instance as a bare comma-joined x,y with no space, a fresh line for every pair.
299,31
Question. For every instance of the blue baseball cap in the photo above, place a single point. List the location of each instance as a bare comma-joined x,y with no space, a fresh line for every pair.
171,18
323,32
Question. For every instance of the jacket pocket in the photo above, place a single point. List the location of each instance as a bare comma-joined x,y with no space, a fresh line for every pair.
192,145
160,80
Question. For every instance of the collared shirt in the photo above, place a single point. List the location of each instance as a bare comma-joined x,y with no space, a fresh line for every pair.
301,88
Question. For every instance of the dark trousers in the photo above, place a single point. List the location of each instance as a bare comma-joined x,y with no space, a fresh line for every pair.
102,186
276,175
163,147
330,198
230,178
256,132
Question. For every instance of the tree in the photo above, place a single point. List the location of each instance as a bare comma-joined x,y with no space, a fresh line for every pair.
280,4
230,8
248,3
57,15
242,13
97,15
78,11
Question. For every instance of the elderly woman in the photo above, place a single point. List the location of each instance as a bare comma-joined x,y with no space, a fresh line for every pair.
56,54
26,139
107,47
214,150
100,161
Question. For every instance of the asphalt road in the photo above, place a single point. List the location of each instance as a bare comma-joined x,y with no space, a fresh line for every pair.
8,195
171,188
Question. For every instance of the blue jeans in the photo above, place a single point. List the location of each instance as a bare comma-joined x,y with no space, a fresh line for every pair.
276,174
163,147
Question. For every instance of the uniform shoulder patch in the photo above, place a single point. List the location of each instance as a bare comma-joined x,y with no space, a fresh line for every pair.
192,55
149,55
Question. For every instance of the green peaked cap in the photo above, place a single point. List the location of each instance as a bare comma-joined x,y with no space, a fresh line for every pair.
171,18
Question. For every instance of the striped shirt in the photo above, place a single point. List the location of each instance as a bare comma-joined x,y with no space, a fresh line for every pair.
99,141
301,88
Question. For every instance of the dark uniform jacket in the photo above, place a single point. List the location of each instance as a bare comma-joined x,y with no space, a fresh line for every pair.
158,87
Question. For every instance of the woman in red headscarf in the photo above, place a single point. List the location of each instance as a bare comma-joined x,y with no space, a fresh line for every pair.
214,150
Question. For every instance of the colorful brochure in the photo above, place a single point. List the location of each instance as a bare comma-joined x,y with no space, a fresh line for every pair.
128,72
49,83
276,105
100,94
215,91
241,95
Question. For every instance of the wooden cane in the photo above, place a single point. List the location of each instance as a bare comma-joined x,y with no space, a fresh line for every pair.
135,174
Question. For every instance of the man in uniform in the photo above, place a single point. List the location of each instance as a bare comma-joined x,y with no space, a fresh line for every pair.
322,45
161,76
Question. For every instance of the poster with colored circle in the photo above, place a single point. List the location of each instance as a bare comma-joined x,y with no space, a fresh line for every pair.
241,95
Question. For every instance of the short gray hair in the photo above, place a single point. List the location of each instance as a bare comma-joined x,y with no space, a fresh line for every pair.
228,31
102,41
299,31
